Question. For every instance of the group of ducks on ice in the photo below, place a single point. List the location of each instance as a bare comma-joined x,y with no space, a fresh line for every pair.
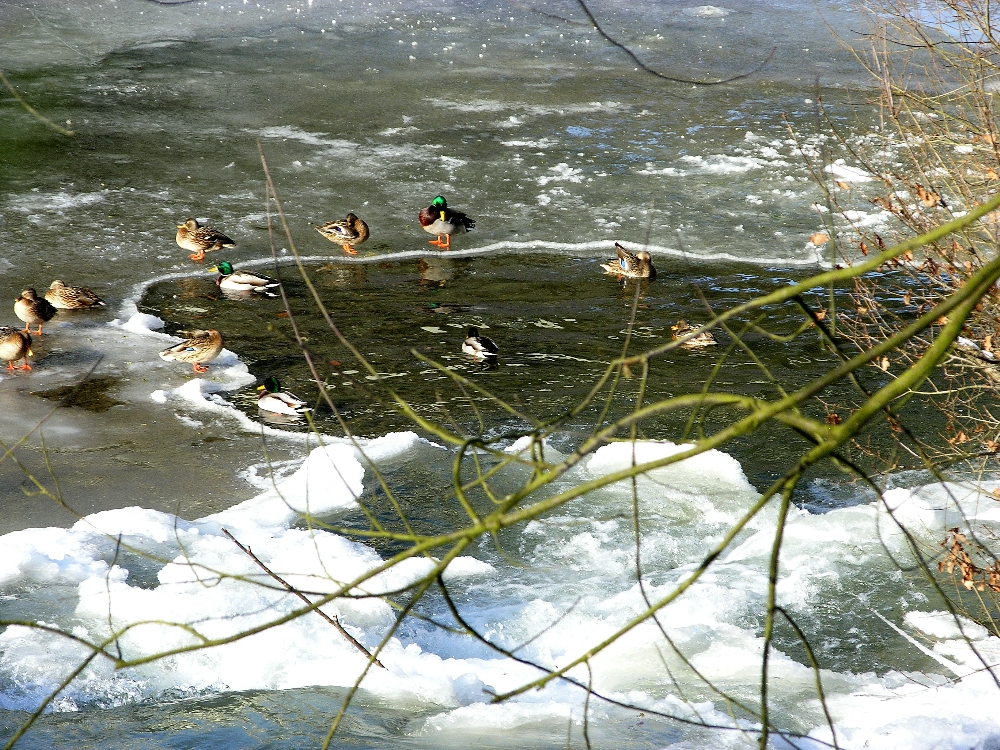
205,345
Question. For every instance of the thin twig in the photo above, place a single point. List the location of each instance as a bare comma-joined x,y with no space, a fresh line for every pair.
335,621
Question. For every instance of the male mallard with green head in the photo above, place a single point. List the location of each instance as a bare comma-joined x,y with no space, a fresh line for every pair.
65,297
346,232
232,280
629,266
202,346
29,308
199,240
438,219
273,399
681,328
15,345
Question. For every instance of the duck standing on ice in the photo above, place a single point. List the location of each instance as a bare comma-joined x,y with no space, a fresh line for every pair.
438,219
203,346
31,308
199,240
15,345
346,232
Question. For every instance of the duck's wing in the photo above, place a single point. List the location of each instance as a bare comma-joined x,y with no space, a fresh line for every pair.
628,261
459,219
253,279
339,229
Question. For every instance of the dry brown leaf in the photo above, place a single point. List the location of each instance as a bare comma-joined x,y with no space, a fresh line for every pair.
906,298
928,197
820,238
988,138
843,185
992,174
864,248
942,321
833,418
883,364
821,315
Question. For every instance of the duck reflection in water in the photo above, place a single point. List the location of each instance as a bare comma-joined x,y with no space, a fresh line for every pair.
435,271
342,275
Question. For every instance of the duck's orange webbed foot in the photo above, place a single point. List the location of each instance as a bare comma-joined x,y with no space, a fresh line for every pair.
25,366
198,256
39,330
350,250
199,368
10,367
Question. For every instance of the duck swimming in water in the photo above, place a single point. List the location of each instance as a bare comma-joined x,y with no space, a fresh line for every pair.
276,401
629,266
681,328
479,347
232,280
438,219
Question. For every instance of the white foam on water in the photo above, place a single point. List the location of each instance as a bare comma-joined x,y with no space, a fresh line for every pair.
574,586
847,173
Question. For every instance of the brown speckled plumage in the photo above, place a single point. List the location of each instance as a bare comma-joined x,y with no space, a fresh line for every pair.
65,297
33,310
15,345
202,346
629,266
199,240
346,232
682,328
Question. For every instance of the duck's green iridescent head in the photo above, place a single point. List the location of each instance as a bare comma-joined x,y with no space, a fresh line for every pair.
439,203
225,268
270,384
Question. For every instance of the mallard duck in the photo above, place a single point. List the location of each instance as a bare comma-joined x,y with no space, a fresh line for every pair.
346,232
202,346
277,401
478,346
199,240
64,297
243,281
628,266
15,345
29,308
438,219
703,339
